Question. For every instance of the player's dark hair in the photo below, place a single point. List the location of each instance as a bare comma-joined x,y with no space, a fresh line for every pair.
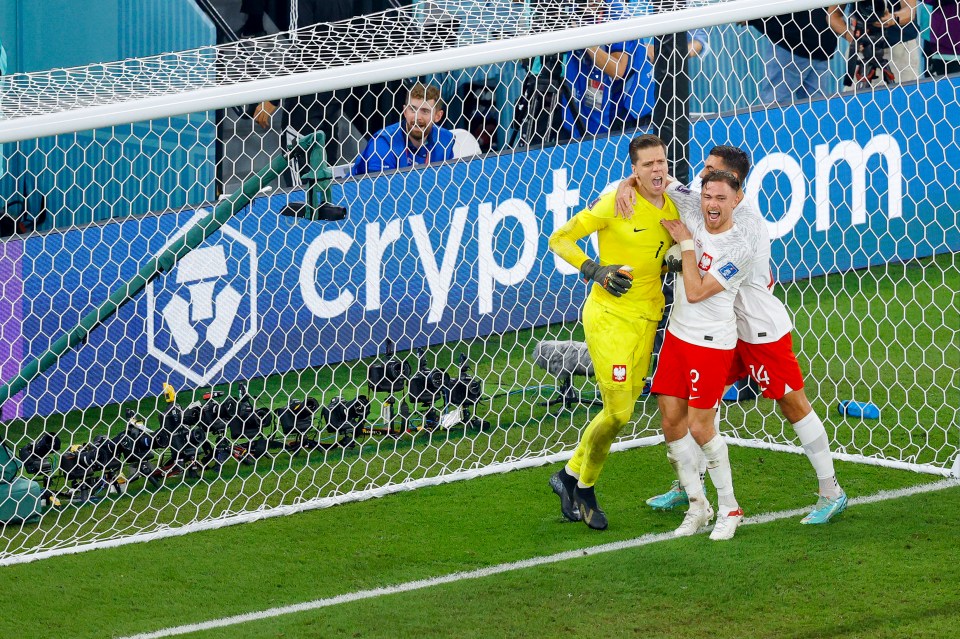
735,159
645,141
726,177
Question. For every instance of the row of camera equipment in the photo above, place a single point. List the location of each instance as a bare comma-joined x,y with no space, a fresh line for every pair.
207,433
417,409
107,465
94,467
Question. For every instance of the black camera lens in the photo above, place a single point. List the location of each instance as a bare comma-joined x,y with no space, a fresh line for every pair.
465,392
427,386
197,436
297,416
191,415
335,415
393,370
359,409
142,446
389,376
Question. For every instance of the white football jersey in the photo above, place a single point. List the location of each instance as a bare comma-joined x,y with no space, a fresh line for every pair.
727,257
761,317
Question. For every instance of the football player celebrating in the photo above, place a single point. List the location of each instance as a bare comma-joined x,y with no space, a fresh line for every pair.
620,315
698,349
764,345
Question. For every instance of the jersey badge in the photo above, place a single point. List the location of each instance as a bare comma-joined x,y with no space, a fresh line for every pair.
728,270
619,372
683,189
705,261
593,204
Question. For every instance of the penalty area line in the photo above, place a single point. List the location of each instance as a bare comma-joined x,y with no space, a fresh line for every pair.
533,562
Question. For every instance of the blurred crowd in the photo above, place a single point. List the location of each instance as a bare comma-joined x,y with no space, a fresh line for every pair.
588,92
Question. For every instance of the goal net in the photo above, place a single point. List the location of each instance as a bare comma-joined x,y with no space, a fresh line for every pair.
191,337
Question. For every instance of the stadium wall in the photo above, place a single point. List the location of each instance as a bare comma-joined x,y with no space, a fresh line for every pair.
423,262
97,175
728,76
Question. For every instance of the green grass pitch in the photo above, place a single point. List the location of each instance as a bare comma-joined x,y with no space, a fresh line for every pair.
886,334
879,570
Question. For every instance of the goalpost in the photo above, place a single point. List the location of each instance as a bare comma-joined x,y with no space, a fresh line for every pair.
280,363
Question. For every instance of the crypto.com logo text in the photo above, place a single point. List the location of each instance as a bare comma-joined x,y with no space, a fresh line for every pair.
193,310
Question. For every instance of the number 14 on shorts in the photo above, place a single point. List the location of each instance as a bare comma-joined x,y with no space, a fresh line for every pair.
761,376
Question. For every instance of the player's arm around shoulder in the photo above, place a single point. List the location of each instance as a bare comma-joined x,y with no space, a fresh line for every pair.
627,195
670,260
696,286
670,210
685,200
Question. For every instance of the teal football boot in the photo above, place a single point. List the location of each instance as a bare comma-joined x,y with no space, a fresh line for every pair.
673,498
826,509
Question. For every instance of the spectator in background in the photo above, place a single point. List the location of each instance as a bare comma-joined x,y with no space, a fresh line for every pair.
416,139
277,10
942,48
890,25
610,87
803,43
253,26
697,43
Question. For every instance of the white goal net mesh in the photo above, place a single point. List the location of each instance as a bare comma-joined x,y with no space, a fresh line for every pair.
310,362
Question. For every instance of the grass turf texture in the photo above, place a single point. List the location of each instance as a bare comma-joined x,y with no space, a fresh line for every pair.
880,570
883,334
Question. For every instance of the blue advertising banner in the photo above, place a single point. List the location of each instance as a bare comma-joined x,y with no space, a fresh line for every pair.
427,256
455,251
851,181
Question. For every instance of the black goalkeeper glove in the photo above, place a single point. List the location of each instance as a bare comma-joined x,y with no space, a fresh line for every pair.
672,261
615,279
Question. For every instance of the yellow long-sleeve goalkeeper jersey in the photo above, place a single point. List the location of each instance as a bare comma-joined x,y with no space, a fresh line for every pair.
640,242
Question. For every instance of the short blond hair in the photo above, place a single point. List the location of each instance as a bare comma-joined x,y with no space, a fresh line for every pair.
429,92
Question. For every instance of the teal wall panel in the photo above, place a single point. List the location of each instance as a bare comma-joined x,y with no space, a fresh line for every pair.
67,33
8,33
163,25
92,176
728,76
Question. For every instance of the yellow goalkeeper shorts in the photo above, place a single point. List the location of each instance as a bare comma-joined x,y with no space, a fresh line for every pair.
619,347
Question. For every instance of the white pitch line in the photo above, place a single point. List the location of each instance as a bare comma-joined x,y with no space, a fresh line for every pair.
420,584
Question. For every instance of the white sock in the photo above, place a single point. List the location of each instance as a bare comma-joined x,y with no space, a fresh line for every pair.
701,456
701,460
682,456
813,438
701,463
718,463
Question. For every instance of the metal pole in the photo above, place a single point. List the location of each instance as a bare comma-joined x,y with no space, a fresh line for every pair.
671,109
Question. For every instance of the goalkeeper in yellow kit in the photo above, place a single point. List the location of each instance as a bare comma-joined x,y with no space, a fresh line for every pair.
620,315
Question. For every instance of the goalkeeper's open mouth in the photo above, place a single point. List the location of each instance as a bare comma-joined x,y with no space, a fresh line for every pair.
658,182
